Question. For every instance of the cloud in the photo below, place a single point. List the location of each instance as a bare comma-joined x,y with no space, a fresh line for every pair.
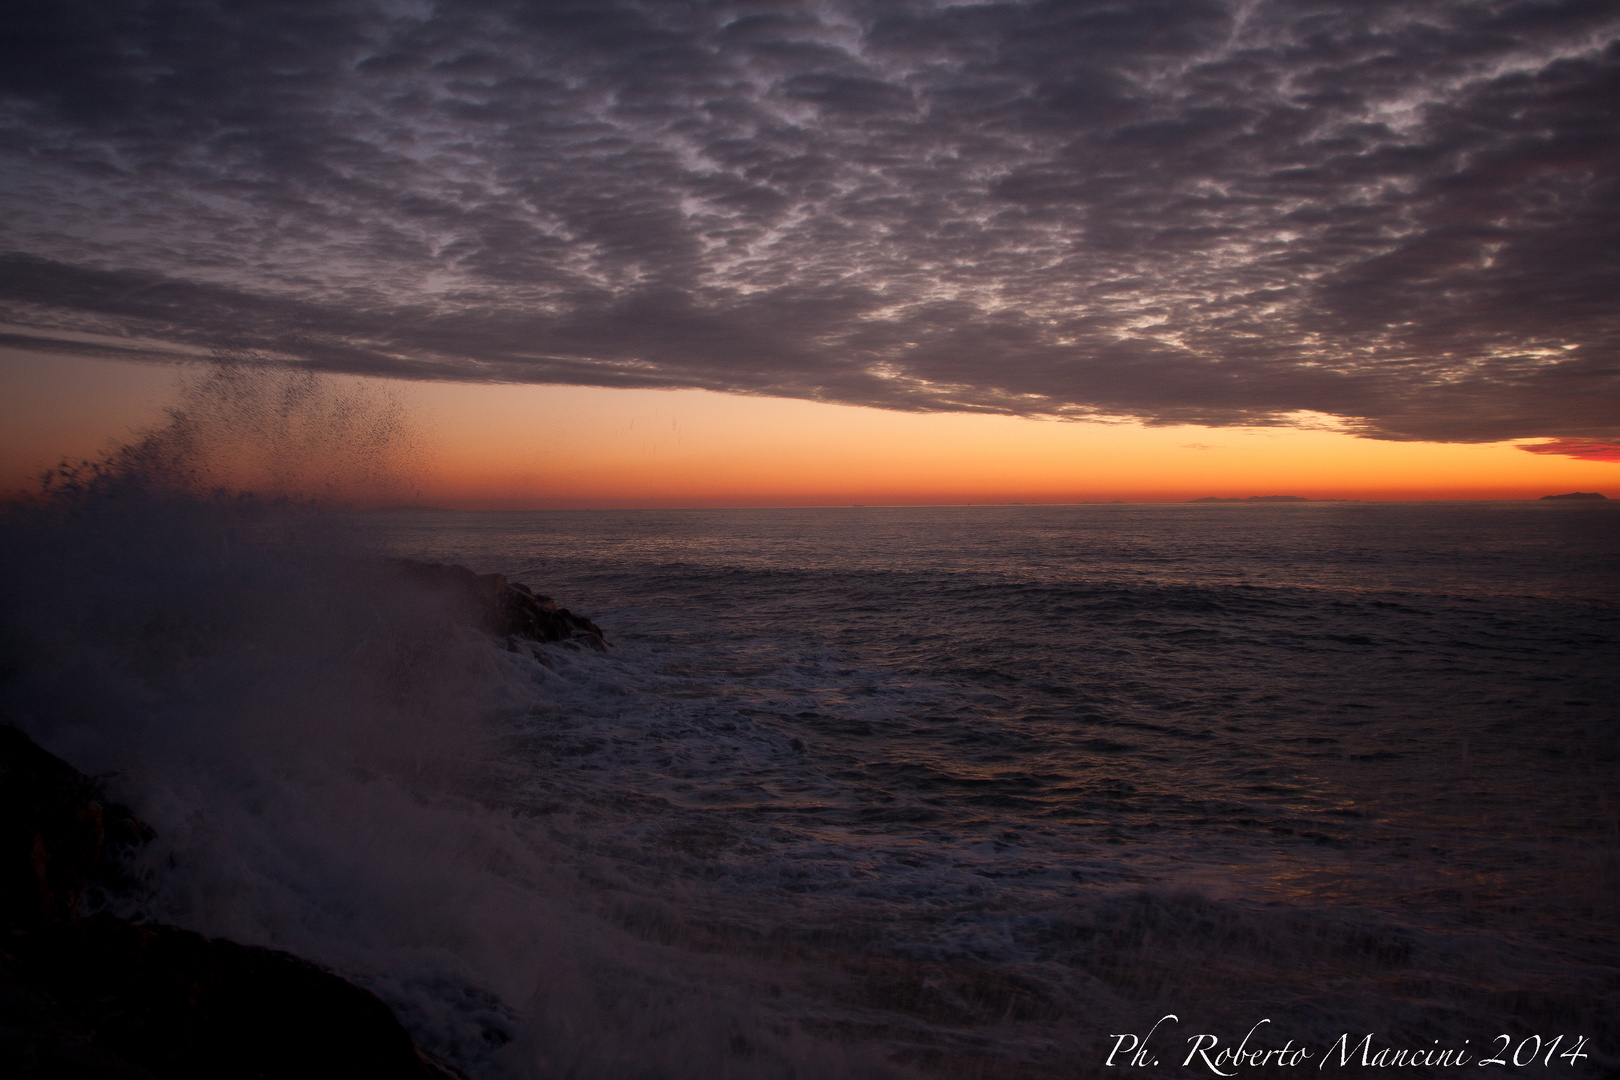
1584,449
1402,214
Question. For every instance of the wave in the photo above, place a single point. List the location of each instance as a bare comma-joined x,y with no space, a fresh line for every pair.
322,744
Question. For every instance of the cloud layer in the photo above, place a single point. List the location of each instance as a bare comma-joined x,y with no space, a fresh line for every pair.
1400,213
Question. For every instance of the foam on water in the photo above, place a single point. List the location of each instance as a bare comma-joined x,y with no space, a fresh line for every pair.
1259,751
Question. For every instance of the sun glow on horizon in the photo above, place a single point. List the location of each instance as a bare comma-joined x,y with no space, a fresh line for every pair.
495,446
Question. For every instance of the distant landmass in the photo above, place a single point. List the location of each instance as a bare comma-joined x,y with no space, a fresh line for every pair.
1580,495
1272,498
410,507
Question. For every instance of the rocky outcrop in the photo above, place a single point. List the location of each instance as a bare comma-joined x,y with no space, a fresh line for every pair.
57,834
182,1005
105,997
505,608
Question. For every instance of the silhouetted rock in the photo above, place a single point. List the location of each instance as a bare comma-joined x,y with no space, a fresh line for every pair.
104,997
507,609
38,1038
56,833
182,1005
1578,496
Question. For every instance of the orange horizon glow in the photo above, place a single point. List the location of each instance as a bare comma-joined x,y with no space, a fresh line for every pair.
497,446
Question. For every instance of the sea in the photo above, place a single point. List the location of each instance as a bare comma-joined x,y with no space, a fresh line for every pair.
964,791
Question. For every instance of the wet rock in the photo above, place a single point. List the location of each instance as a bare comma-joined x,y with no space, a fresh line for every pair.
105,997
57,834
182,1005
507,608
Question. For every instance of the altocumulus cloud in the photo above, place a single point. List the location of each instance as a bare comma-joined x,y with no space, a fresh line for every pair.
1399,213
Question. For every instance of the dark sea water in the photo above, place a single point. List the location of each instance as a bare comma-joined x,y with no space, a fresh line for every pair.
962,791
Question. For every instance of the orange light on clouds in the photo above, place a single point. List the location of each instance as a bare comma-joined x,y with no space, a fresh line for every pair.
563,446
1587,449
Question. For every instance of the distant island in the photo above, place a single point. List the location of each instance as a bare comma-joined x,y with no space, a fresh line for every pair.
1269,498
409,508
1577,495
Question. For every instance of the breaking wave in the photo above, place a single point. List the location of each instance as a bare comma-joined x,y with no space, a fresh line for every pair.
324,749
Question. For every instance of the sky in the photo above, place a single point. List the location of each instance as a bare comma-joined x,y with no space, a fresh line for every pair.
877,252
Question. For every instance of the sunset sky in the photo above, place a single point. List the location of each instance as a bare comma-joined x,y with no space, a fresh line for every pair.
760,253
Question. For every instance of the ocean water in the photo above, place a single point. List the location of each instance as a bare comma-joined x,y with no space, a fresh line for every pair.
963,791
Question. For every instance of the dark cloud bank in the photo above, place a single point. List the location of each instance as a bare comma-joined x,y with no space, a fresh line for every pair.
1404,214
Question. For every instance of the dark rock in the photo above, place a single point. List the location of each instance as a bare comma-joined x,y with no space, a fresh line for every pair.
506,609
182,1005
57,834
39,1039
104,997
1578,496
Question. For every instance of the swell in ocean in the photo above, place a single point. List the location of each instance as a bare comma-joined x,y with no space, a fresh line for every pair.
854,792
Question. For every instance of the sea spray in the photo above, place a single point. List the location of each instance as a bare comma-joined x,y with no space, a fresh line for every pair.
324,749
247,426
